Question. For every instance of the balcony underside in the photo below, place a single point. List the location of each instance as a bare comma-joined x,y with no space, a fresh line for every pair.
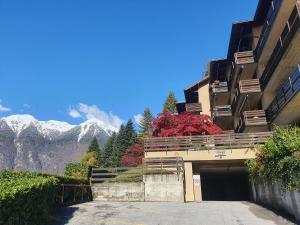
221,98
278,25
224,122
290,113
285,67
242,72
246,101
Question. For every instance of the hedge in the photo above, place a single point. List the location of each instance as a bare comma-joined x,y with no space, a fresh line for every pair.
29,198
277,159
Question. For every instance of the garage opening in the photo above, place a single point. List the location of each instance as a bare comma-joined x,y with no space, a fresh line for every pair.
225,186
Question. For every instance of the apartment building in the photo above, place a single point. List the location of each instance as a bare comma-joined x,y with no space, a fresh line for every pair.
256,85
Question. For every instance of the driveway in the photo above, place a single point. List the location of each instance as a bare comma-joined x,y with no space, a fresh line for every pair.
157,213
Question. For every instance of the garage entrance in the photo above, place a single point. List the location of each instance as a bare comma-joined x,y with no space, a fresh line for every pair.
224,186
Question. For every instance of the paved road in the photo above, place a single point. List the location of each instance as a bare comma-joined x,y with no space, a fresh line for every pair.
154,213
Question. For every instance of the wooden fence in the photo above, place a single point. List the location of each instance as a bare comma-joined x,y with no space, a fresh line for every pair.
75,193
206,142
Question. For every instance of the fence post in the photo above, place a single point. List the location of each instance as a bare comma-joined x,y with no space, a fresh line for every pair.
62,197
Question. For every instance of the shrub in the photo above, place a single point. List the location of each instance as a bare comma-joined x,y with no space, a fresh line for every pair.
133,156
185,124
276,159
80,170
29,198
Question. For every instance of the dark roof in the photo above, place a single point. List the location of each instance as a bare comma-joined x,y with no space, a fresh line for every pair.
191,93
262,10
238,30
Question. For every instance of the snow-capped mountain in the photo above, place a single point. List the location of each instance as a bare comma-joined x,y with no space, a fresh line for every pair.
46,146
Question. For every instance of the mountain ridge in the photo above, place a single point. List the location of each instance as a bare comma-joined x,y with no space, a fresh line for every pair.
46,146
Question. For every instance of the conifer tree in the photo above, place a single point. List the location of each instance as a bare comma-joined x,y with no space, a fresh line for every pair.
145,124
94,146
170,104
106,157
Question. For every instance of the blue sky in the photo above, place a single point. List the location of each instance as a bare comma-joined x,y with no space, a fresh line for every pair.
107,58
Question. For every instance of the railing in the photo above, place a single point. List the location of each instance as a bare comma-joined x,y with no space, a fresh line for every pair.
288,90
219,88
206,142
161,165
244,57
249,86
252,118
75,193
193,107
271,16
245,87
289,31
224,110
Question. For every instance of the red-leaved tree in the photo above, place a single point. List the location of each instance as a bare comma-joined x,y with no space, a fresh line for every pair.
185,124
133,156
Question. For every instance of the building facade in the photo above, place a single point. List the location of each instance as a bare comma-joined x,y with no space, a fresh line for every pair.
255,86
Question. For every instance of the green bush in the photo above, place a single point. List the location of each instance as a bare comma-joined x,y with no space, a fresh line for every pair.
276,160
29,198
78,170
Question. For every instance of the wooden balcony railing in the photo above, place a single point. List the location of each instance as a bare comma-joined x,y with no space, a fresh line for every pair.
252,118
249,86
206,142
244,57
219,88
224,110
289,31
193,107
245,87
289,89
271,16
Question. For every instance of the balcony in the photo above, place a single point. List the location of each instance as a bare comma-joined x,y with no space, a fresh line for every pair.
193,107
226,141
271,16
287,99
245,57
250,88
289,32
221,111
255,119
219,87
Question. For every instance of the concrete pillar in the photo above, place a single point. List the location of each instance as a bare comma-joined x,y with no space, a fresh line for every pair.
189,183
197,188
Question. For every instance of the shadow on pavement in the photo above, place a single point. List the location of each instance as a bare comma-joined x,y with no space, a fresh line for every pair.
268,213
64,214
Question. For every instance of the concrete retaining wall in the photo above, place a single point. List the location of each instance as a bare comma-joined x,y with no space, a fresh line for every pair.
164,188
121,192
158,188
274,196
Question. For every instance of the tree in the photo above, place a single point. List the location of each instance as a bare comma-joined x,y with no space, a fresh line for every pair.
134,155
94,146
170,104
106,157
185,124
145,124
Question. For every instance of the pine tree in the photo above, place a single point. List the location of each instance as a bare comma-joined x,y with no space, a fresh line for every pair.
170,104
145,124
94,146
106,157
125,138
